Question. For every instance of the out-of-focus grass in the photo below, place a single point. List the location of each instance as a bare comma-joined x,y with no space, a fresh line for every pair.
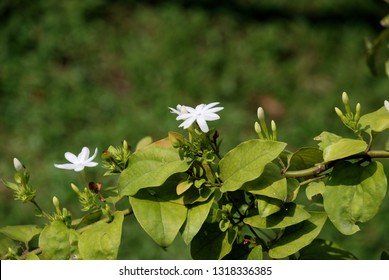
96,72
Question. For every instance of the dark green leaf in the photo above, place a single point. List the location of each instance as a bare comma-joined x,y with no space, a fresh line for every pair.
211,243
321,249
291,214
354,194
305,158
298,236
247,161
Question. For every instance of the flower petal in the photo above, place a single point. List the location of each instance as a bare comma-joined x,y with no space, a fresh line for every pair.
202,124
71,157
188,122
68,166
211,117
83,156
386,103
92,157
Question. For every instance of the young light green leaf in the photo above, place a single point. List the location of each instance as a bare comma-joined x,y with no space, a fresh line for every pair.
58,242
247,161
314,188
256,253
298,236
150,167
161,219
326,139
290,215
101,241
211,243
354,194
343,148
196,216
22,233
377,121
267,205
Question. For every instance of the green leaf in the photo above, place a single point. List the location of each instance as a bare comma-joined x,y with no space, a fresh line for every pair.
314,188
293,186
298,236
267,205
343,148
6,243
211,243
102,240
271,183
58,242
354,194
321,249
326,139
150,167
21,233
256,253
90,218
377,121
247,161
305,158
291,214
196,216
159,217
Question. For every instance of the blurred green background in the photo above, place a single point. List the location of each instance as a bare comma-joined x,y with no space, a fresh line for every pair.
94,72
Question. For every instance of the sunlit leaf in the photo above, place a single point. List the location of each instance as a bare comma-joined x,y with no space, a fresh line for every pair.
22,233
247,161
271,183
298,236
377,121
102,240
267,205
354,194
343,148
58,242
256,253
314,188
326,139
196,216
150,167
160,218
305,158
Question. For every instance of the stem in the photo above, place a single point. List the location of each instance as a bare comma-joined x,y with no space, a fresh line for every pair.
317,169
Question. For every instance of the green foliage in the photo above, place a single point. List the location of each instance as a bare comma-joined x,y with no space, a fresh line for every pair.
137,73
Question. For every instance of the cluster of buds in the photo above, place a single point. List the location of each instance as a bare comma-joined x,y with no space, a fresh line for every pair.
349,118
61,215
116,158
261,127
22,191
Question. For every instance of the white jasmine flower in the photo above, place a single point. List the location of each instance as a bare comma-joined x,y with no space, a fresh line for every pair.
178,110
201,114
386,103
78,163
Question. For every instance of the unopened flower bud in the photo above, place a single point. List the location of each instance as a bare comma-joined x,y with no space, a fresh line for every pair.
357,112
18,165
345,98
257,128
339,112
273,126
260,113
75,189
386,104
126,147
56,203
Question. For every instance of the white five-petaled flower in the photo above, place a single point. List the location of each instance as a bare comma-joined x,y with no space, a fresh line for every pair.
386,103
201,114
78,163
